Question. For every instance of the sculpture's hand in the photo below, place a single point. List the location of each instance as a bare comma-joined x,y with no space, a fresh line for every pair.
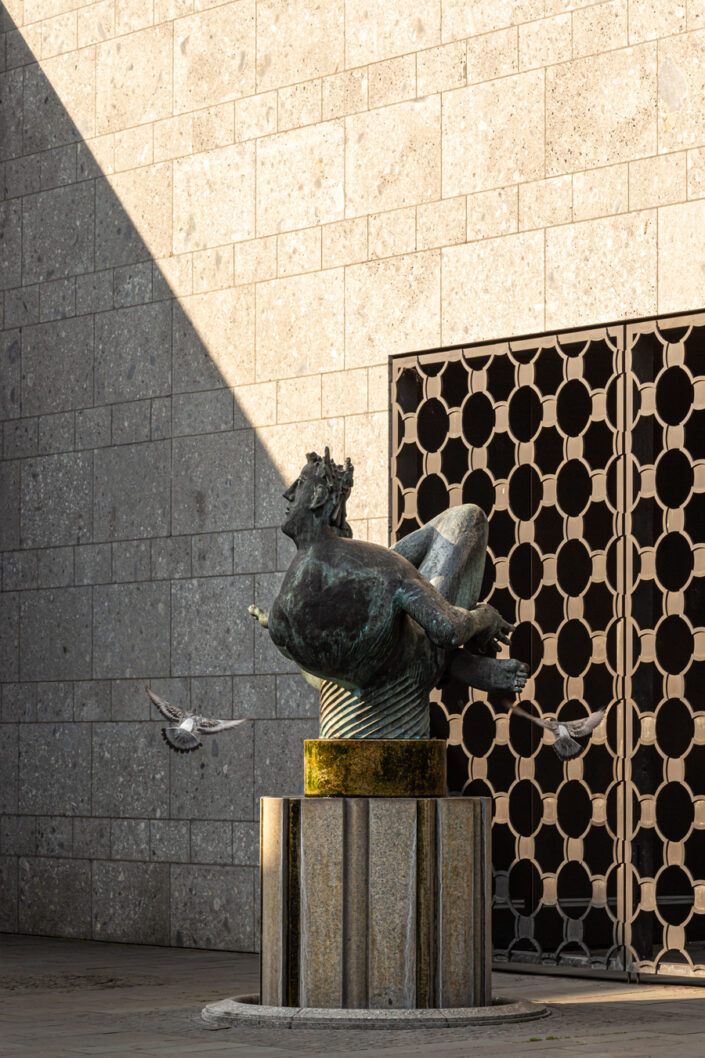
259,615
494,628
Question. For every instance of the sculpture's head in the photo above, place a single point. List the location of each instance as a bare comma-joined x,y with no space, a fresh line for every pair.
319,495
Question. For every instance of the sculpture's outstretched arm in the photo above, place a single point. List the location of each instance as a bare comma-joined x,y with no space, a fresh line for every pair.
449,626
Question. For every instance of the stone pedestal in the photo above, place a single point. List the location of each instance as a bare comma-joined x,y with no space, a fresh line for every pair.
380,902
374,767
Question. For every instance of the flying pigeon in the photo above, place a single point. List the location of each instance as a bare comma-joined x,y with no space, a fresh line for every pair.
181,736
565,732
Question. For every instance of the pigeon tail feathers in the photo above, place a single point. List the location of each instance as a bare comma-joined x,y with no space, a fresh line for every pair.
180,740
566,747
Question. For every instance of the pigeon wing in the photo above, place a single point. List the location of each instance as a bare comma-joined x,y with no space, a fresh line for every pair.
170,712
580,728
206,726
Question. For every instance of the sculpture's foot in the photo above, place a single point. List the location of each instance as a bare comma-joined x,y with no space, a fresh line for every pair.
489,674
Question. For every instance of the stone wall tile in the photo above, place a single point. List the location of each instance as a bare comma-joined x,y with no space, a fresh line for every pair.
300,325
55,567
212,488
440,223
492,213
57,366
366,444
461,19
254,550
18,835
9,887
55,897
344,242
59,101
344,93
11,244
129,839
56,634
96,23
546,41
19,570
390,234
161,418
57,233
440,69
59,34
213,269
131,561
91,838
601,270
392,307
55,702
657,181
256,260
299,399
279,756
131,422
92,564
254,697
56,499
393,157
11,112
9,769
19,702
214,56
10,372
298,105
132,284
377,31
473,275
296,698
173,137
212,696
54,836
209,411
172,277
600,192
257,403
169,840
299,251
298,39
300,178
20,439
131,491
212,554
130,630
214,199
55,769
211,841
134,76
131,15
601,110
222,786
91,700
214,339
22,306
256,116
212,907
131,902
681,258
134,216
545,202
681,83
212,633
130,770
651,19
171,558
493,134
392,81
134,147
58,299
344,392
94,292
600,28
246,844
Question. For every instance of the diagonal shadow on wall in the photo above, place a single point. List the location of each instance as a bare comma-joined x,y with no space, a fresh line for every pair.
140,515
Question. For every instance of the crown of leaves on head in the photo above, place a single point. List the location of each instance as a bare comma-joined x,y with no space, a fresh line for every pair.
338,480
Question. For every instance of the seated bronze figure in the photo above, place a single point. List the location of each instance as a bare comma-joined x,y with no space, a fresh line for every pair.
375,628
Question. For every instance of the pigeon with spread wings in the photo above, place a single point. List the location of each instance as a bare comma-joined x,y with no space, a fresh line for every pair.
565,731
181,735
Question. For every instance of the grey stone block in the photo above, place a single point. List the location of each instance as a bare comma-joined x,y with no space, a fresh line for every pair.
129,839
117,240
213,484
23,176
130,630
92,564
19,703
131,422
57,366
91,839
18,836
254,697
219,784
9,635
55,567
131,560
129,702
54,702
296,698
246,844
269,505
211,841
22,306
20,438
133,284
212,696
279,756
133,353
194,369
9,767
55,897
207,412
93,428
212,554
56,634
54,836
56,433
94,292
254,551
91,700
58,299
9,890
57,233
161,418
10,244
19,570
55,769
11,85
47,122
171,558
170,840
211,631
10,374
130,771
131,491
212,907
10,492
56,500
131,902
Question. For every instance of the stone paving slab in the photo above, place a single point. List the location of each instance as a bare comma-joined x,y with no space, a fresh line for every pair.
61,998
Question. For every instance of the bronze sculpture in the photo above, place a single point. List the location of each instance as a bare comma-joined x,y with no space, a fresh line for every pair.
375,628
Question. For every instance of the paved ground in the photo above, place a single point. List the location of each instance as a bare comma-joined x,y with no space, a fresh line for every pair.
62,998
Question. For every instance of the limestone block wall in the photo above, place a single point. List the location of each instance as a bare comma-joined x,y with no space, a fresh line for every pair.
218,221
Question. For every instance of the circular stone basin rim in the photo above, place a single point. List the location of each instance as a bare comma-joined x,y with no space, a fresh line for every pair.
246,1009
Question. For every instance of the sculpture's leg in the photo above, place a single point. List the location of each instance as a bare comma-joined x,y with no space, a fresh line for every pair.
488,674
450,553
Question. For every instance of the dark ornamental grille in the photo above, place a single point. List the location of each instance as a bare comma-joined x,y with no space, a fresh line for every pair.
587,452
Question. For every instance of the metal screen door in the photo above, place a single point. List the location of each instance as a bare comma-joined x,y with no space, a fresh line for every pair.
587,452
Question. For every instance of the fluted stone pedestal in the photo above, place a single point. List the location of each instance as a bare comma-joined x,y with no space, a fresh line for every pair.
375,902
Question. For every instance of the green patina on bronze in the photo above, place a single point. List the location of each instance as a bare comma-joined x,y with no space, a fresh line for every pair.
385,767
